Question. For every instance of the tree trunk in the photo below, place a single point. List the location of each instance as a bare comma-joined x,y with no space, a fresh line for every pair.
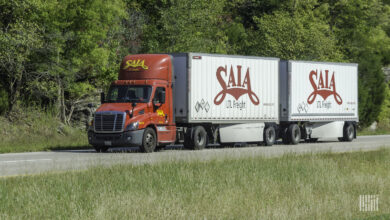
14,92
60,101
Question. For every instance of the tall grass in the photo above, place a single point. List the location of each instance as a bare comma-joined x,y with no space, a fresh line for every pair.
35,130
291,187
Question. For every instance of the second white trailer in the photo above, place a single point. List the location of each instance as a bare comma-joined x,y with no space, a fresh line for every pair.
318,100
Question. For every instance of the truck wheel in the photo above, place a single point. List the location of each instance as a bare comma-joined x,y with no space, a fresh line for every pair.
148,141
100,149
348,132
199,138
269,136
294,133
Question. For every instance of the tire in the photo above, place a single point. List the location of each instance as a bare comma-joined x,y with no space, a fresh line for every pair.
199,138
100,149
269,136
294,134
348,132
149,141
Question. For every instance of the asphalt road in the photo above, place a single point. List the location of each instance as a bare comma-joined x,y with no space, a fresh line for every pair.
14,164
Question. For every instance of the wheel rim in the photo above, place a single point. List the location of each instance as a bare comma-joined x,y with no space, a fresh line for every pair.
200,139
270,135
350,132
149,140
296,134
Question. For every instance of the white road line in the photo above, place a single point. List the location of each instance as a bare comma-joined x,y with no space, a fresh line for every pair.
17,161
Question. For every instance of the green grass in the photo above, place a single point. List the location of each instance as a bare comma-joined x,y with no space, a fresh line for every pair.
35,130
325,186
379,131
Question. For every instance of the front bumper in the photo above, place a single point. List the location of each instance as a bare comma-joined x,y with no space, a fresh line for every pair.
124,139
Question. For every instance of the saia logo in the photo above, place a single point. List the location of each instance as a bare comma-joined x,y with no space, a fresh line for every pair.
235,87
324,89
135,64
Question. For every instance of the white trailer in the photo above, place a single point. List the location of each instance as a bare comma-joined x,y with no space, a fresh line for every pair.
318,100
234,96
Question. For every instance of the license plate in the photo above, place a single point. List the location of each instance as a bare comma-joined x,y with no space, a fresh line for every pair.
107,143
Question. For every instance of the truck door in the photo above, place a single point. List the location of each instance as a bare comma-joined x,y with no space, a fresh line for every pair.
162,106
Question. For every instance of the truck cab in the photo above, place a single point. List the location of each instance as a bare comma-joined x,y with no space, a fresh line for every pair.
137,110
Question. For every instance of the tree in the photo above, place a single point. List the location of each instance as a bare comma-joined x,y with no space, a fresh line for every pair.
182,26
79,53
19,39
362,28
297,36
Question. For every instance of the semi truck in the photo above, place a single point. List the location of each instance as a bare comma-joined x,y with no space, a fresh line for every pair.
196,99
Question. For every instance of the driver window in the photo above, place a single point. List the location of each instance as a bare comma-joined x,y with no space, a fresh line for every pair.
113,94
158,94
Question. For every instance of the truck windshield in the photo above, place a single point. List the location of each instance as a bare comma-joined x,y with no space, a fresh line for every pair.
129,94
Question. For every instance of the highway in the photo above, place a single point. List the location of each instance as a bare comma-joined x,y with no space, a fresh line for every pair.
15,164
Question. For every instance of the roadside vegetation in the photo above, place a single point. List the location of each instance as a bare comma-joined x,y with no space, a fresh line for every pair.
34,130
378,131
63,53
325,186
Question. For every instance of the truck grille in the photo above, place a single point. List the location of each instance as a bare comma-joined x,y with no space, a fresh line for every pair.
109,122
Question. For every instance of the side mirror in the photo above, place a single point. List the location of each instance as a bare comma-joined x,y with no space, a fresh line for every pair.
102,97
156,103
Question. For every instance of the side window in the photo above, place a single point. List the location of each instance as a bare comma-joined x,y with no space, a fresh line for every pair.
113,94
159,95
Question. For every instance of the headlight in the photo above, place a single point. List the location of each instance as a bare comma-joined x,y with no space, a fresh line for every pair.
133,126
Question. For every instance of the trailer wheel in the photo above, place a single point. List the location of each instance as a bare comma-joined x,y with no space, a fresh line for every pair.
348,132
269,136
100,149
294,134
199,138
148,141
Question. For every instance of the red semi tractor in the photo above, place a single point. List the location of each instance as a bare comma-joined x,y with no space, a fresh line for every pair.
196,99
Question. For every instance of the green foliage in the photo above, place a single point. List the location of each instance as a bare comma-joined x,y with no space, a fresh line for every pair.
19,39
3,101
61,53
29,129
295,36
196,26
384,115
360,27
